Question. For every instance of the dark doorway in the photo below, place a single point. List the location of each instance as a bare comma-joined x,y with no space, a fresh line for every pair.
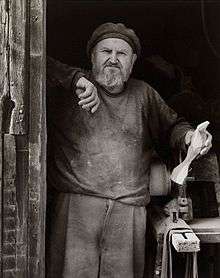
183,34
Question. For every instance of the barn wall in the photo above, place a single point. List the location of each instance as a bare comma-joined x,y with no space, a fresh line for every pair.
23,139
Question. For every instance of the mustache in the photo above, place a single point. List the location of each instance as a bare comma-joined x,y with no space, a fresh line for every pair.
110,64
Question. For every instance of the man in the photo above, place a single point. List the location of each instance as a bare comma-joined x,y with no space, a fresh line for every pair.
103,135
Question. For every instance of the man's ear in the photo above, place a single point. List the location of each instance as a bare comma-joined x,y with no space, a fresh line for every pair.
92,55
134,58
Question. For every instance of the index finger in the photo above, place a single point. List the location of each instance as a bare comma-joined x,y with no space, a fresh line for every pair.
87,92
79,91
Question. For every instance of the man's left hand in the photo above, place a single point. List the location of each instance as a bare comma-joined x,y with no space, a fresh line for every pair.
205,138
207,142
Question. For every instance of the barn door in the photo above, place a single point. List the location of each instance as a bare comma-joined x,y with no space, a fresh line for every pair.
23,139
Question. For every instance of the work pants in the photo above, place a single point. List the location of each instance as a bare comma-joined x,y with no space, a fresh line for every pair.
92,237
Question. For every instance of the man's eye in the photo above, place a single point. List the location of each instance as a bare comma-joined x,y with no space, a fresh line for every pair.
121,53
106,51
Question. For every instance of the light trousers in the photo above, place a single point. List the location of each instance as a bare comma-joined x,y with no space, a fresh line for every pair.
94,237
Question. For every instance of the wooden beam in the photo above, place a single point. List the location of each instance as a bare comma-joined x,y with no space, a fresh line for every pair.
9,217
13,62
18,72
37,140
22,35
207,229
3,91
14,217
4,40
22,158
13,80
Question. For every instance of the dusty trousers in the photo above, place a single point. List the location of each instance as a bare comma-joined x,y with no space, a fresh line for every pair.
92,237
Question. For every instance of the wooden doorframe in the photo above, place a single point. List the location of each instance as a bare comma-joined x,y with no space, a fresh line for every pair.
23,138
37,140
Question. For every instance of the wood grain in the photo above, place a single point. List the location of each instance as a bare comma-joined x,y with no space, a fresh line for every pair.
18,72
3,91
37,141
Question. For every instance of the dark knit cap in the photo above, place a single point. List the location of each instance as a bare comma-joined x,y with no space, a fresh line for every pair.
112,30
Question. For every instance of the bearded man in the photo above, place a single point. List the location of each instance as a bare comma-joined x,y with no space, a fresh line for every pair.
104,130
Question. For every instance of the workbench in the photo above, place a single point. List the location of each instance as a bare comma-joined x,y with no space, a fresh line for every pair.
206,229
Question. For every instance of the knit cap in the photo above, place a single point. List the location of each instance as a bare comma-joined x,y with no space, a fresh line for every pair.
114,30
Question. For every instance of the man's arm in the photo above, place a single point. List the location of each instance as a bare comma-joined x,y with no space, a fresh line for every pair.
62,75
168,128
73,79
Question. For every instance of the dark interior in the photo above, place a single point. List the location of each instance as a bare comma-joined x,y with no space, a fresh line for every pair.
184,34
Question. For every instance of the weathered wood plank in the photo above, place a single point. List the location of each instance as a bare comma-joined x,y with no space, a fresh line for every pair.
15,207
22,154
13,53
18,46
3,48
37,143
9,218
17,237
207,229
1,213
3,91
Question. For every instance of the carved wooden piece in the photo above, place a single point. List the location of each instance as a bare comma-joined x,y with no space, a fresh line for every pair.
181,171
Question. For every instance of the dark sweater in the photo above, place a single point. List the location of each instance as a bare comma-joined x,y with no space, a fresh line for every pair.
107,154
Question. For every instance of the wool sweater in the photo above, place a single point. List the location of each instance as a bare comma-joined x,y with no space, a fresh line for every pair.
107,154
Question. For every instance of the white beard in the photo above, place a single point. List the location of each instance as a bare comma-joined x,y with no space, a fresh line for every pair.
110,77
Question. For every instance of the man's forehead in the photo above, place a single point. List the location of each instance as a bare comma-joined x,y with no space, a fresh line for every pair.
114,43
114,30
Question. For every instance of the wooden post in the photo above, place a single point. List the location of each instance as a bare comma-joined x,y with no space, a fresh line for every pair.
37,140
4,90
10,208
18,61
22,138
13,62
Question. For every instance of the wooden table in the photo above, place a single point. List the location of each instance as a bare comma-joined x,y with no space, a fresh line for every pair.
207,230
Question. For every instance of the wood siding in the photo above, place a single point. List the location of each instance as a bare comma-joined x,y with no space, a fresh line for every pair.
23,138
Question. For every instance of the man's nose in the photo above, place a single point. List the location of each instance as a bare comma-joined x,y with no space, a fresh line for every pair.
113,57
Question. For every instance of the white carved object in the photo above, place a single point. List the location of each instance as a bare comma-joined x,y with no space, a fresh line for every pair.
180,172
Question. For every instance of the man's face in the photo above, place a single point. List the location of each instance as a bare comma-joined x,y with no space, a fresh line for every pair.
112,62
